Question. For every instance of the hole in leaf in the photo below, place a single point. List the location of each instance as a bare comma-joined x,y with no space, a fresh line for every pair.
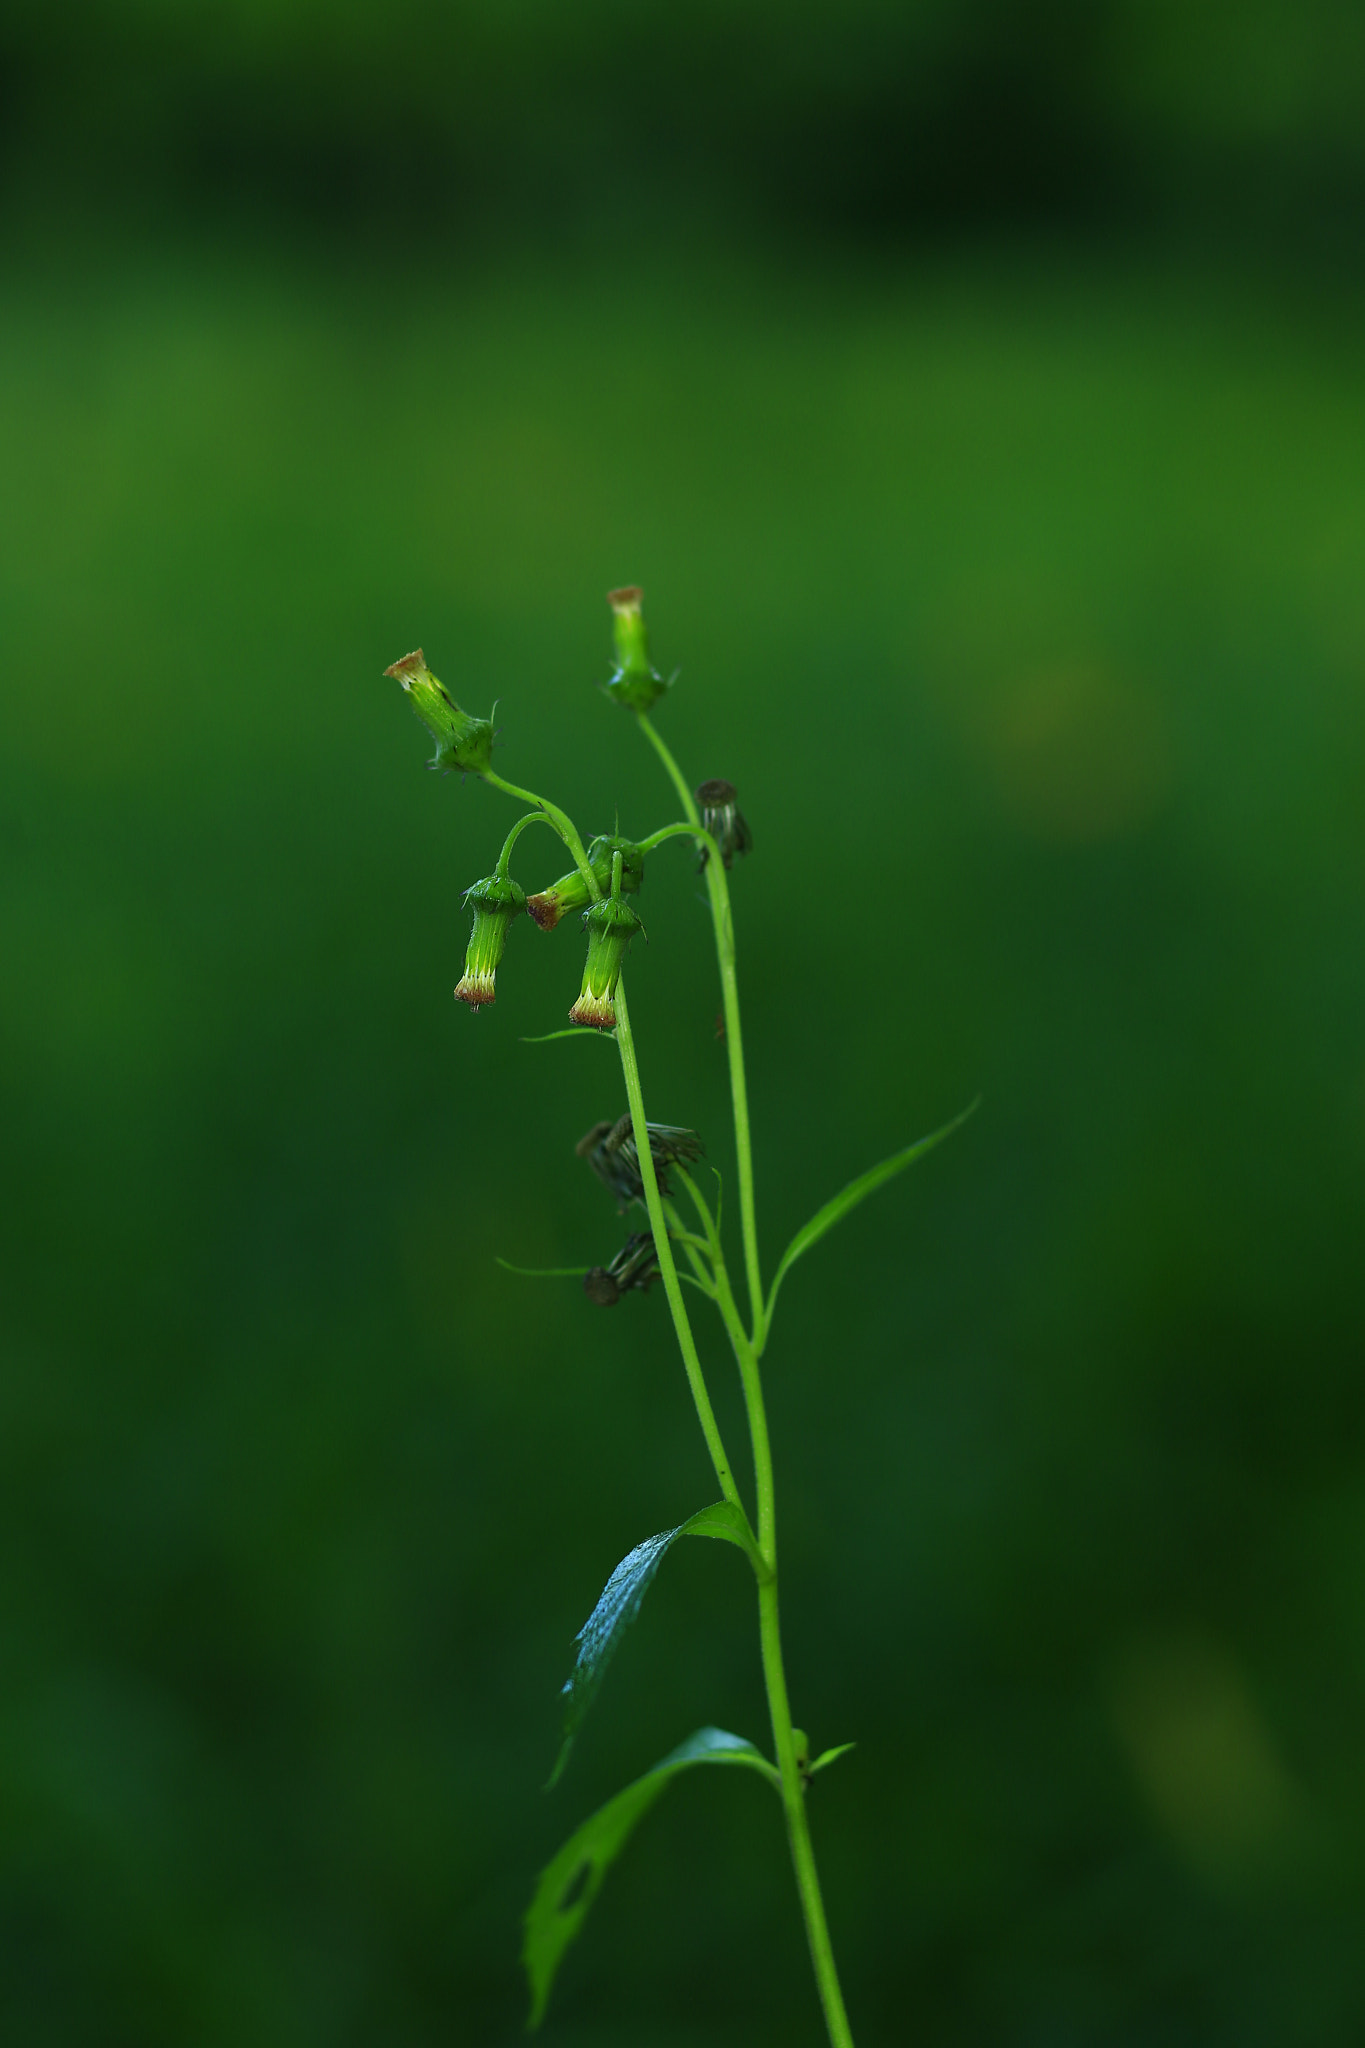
575,1888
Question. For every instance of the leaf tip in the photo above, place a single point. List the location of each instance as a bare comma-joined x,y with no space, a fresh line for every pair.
557,1773
830,1756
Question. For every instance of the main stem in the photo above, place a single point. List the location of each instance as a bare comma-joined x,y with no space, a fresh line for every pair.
667,1265
746,1349
718,889
775,1679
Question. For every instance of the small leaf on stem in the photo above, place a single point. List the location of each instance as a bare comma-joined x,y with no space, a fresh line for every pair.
570,1031
829,1756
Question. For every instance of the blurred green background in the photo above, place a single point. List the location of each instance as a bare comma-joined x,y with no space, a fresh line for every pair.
978,391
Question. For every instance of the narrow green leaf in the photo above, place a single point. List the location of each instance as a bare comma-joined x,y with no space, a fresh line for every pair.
579,1273
857,1191
602,1631
829,1756
544,1272
620,1603
572,1031
569,1884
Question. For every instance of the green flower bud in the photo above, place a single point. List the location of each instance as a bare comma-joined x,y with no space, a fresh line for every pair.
611,926
496,902
461,741
633,683
571,891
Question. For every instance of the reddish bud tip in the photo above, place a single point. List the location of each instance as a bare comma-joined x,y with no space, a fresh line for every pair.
476,990
546,909
597,1011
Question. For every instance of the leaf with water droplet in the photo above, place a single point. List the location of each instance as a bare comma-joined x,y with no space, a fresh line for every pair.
620,1602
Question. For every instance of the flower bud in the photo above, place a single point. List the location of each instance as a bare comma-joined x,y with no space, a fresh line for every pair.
461,741
496,902
723,819
571,891
611,926
633,683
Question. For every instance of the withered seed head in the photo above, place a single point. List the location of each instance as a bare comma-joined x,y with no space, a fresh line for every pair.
611,1153
723,819
636,1265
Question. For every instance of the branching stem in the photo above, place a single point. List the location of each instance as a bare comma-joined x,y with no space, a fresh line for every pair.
746,1343
562,823
667,1265
718,889
530,818
747,1346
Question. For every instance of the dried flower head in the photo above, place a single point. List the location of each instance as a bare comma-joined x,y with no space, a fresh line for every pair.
723,819
635,1265
610,1151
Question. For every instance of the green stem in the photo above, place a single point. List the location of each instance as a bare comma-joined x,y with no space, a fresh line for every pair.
718,890
562,823
531,818
770,1644
775,1677
698,1250
678,832
798,1827
667,1266
746,1348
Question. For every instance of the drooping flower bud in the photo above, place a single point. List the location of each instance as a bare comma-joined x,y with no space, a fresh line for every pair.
611,1152
611,925
496,901
633,682
723,819
635,1265
461,741
570,892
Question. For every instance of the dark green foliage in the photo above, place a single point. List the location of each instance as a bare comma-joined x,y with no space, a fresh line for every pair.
863,114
